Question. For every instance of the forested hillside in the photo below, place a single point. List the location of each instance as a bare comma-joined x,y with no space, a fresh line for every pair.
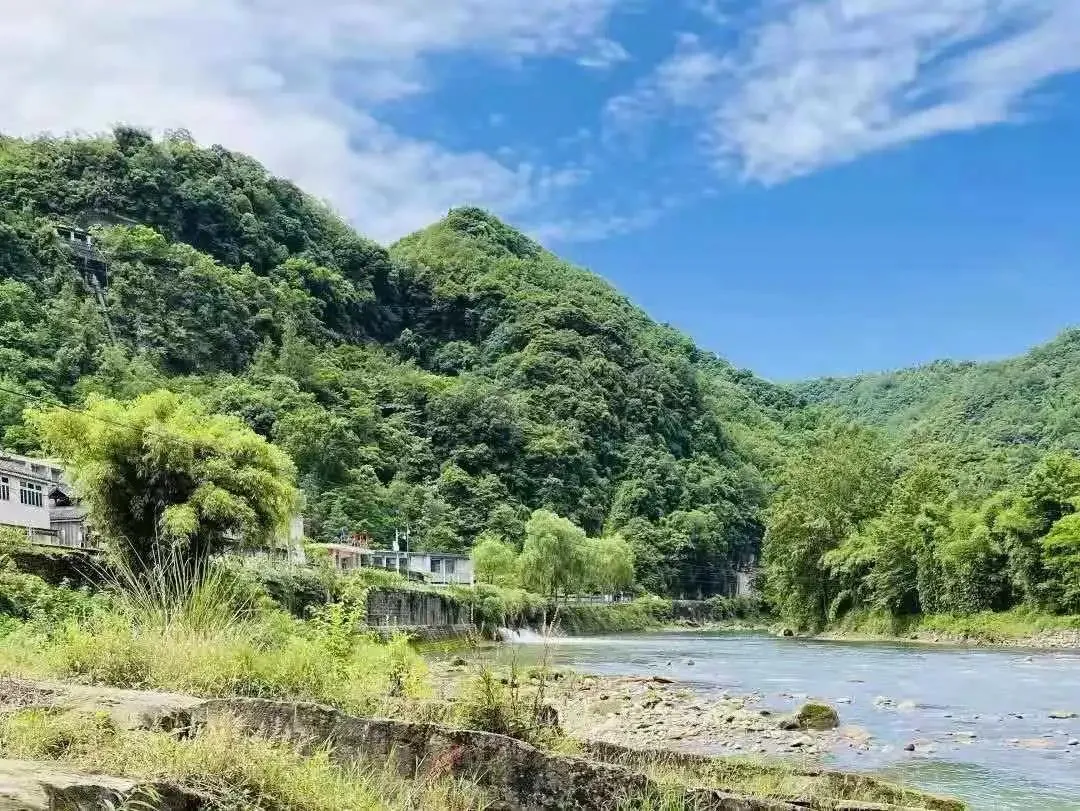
955,490
450,385
1009,412
464,378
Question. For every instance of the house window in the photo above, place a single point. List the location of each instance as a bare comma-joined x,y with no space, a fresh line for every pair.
5,489
448,566
31,494
435,565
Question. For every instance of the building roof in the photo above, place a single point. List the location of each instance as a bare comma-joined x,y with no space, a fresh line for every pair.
67,513
24,467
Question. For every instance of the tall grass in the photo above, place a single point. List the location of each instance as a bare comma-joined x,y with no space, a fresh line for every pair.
237,770
184,628
190,596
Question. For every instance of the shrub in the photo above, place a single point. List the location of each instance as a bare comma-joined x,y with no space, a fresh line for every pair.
509,706
297,589
28,598
605,618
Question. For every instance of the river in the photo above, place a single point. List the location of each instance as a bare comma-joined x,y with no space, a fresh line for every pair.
981,716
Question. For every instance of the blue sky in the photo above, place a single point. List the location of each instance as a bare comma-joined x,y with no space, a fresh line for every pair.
806,186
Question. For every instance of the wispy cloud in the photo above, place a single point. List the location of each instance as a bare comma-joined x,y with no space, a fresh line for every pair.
298,85
685,79
601,224
821,82
605,53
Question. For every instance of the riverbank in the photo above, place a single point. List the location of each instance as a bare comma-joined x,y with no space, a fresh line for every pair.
996,727
1011,629
674,734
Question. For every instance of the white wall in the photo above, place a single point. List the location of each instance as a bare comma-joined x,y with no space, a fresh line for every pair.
16,514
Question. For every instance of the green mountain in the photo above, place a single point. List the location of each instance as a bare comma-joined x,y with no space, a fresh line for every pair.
448,385
452,384
1003,415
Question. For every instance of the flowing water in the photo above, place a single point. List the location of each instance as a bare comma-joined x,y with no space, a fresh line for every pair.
984,713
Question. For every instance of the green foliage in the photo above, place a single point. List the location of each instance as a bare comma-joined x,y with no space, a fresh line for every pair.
451,386
160,473
295,588
182,628
846,536
505,707
835,483
644,614
609,565
231,769
554,556
495,561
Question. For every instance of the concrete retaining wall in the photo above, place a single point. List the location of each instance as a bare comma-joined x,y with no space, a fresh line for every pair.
391,608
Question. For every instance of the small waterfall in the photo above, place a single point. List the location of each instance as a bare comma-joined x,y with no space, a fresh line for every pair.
520,636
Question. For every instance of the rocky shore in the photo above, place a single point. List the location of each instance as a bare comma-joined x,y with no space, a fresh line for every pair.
656,713
514,775
1057,639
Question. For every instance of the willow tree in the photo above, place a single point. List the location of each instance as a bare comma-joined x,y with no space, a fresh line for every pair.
161,475
554,557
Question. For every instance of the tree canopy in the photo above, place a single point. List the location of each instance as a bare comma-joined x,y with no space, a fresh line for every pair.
160,473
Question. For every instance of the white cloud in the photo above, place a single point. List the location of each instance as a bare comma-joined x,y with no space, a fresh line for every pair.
295,84
821,82
683,79
605,53
602,223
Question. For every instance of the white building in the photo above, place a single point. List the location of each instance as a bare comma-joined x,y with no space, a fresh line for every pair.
28,490
440,568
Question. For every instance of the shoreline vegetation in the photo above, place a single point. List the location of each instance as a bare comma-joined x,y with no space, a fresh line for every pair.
1019,628
138,689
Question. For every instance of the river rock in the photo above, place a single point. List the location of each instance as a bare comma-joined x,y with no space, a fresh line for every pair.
816,715
1035,743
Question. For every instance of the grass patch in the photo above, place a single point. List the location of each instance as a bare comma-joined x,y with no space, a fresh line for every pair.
769,779
1015,625
206,634
1006,627
237,770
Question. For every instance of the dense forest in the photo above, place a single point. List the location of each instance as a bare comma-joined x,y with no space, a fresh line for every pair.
950,488
448,386
465,378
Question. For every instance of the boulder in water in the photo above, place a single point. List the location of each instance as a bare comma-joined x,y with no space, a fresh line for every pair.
816,715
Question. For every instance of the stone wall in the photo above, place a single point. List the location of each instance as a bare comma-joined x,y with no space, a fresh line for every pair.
516,775
402,608
56,566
